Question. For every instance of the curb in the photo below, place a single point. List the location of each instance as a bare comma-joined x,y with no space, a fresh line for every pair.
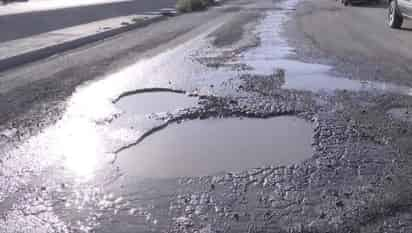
42,53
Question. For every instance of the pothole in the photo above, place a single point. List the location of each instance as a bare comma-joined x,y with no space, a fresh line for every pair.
135,108
207,147
154,102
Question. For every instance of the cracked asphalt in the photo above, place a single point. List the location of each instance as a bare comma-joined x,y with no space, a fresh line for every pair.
63,133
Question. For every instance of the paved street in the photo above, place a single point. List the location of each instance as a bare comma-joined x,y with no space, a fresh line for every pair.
370,50
253,116
26,19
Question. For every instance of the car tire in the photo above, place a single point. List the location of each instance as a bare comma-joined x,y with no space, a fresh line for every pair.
395,18
346,2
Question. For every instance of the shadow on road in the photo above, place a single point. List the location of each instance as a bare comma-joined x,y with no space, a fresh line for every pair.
380,5
406,29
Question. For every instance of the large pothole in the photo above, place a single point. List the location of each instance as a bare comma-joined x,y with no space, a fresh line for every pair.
207,147
155,102
136,107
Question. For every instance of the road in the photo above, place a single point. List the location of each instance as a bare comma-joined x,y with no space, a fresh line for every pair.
26,20
358,37
257,116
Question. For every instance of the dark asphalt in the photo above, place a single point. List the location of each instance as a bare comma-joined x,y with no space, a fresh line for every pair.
28,24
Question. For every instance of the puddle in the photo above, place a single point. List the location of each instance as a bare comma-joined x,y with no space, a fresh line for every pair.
155,102
206,147
137,108
274,51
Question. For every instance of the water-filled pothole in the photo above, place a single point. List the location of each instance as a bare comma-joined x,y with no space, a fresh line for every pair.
154,102
136,107
207,147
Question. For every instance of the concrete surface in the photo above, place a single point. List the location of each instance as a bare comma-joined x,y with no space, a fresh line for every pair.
19,7
20,51
24,22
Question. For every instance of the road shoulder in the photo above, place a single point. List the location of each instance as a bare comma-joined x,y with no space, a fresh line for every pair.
354,40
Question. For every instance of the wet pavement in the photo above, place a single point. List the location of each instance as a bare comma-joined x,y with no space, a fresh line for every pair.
218,137
274,52
208,147
156,102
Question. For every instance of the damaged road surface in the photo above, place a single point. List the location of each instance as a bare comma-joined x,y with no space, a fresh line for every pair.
206,122
205,147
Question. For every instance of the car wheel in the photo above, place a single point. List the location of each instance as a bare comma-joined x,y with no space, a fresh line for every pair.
395,18
346,2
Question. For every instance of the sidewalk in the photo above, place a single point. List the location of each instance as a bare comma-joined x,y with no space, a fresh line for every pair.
23,19
19,7
20,51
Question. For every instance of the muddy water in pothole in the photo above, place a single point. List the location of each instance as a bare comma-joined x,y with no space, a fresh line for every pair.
154,102
206,147
135,109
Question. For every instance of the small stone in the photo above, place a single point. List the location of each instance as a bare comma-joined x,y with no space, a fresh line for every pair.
404,131
236,217
340,204
233,102
132,211
347,194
